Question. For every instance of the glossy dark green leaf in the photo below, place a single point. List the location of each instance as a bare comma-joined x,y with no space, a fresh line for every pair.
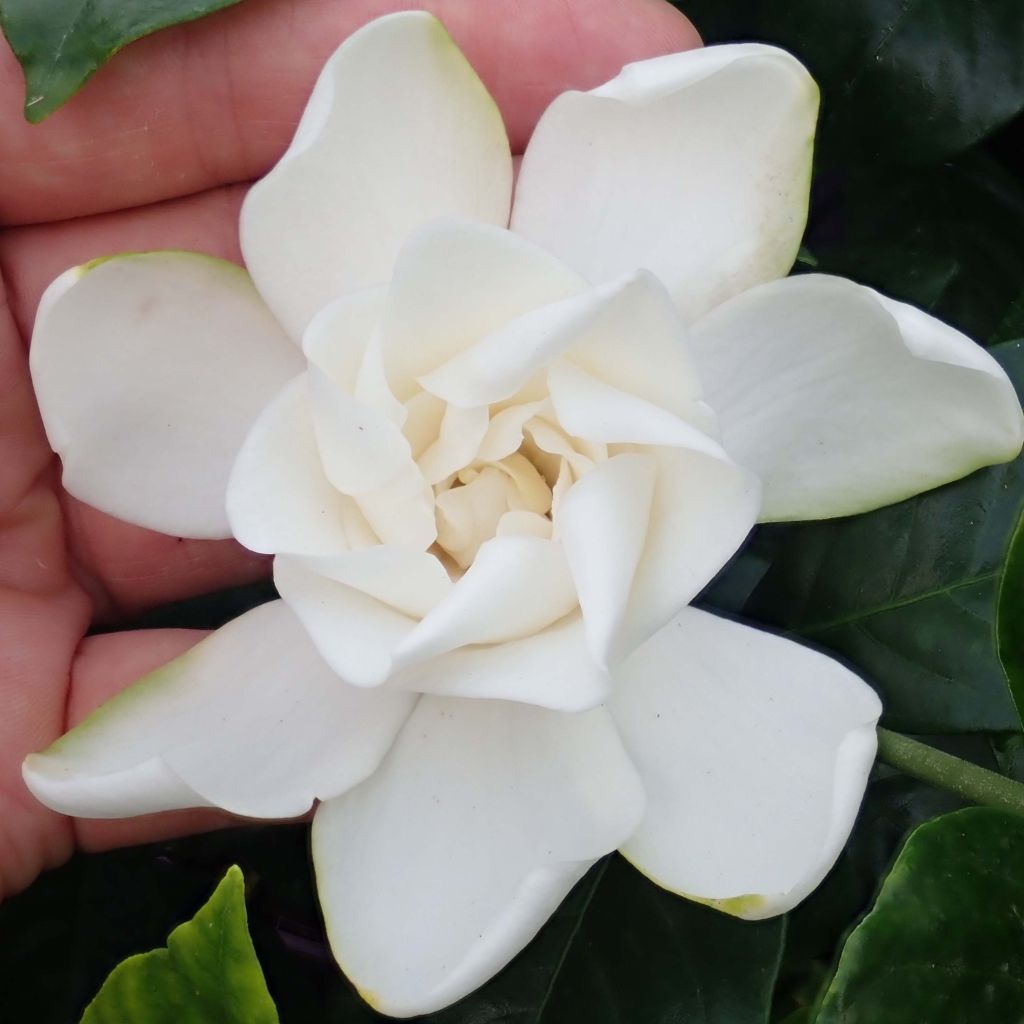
208,974
1010,618
902,80
622,950
946,239
60,43
907,594
642,954
945,939
894,805
618,951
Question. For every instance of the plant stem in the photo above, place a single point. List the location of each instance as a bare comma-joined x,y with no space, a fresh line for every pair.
973,783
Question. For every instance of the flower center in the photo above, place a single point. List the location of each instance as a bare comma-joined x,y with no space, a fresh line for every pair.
512,484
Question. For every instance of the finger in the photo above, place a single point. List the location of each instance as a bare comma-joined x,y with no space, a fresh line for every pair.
217,100
127,570
31,257
42,616
105,665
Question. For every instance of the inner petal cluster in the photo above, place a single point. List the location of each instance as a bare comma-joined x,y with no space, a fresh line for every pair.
520,446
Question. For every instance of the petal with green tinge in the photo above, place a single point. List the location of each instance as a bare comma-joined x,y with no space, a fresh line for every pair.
251,720
754,753
149,369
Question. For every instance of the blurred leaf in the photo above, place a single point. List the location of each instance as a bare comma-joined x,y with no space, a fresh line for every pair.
1010,618
906,593
60,43
912,81
208,974
945,939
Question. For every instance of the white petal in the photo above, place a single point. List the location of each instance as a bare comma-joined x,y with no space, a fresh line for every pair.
399,130
355,633
402,511
695,166
505,431
250,720
640,553
504,360
515,586
461,432
423,415
468,516
551,668
642,348
337,338
703,510
362,450
149,369
439,869
602,523
591,409
754,754
843,401
407,579
278,498
520,522
455,283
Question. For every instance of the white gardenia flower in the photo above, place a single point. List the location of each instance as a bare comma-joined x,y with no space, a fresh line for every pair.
494,467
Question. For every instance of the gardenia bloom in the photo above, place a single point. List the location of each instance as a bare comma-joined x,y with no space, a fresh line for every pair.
495,460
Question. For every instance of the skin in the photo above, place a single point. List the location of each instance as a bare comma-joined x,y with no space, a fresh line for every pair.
156,152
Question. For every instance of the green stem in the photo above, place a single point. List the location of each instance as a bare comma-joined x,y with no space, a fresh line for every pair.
978,785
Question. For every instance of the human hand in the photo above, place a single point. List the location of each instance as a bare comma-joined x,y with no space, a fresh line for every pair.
155,154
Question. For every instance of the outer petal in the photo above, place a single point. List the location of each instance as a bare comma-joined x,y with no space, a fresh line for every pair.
250,720
754,754
278,498
551,668
695,166
149,369
399,130
441,867
843,401
456,282
644,533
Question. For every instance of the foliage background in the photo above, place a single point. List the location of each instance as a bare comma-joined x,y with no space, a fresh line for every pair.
918,191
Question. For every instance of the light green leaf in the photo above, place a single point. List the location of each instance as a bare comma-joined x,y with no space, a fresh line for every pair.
945,940
208,974
60,43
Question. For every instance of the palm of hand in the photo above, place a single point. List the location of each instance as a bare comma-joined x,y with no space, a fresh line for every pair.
194,112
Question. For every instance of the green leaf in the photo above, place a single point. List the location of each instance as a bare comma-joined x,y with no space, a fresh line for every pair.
902,80
1010,618
60,43
208,974
945,940
906,593
946,239
621,949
